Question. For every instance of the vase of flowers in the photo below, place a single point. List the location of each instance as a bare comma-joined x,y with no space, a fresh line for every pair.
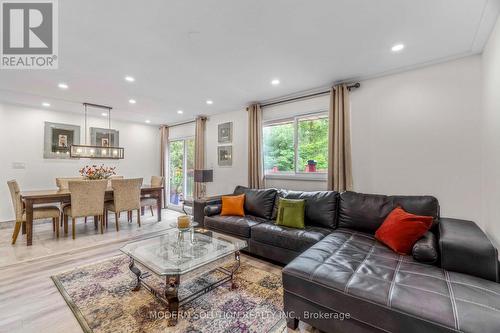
95,172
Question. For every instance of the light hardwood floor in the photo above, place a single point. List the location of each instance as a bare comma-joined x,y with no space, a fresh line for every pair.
29,301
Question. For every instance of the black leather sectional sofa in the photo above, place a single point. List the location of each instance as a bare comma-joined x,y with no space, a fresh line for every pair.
338,278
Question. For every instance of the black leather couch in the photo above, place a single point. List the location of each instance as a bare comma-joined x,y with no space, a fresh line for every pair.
339,278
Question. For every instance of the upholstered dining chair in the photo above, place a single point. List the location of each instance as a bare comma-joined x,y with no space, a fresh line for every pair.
62,185
113,177
44,212
126,198
156,181
62,182
109,186
87,199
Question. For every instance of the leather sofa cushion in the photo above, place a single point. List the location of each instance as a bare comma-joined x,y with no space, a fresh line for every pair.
424,205
351,272
321,206
293,239
258,202
280,193
366,212
234,225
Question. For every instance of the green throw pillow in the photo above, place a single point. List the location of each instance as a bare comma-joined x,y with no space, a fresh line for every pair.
291,213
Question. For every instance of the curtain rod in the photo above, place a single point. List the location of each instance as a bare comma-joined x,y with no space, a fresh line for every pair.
184,122
321,93
180,123
98,106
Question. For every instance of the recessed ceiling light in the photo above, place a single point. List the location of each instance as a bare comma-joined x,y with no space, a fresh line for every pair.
104,114
210,102
132,101
180,111
148,121
62,85
398,47
275,82
129,78
46,104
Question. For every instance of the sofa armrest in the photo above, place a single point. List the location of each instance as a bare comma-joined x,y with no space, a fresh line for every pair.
211,210
199,207
466,249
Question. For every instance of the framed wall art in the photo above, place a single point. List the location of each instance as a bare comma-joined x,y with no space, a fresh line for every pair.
225,155
104,137
58,138
225,132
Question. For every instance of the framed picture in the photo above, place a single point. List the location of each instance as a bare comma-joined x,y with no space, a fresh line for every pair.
225,155
104,137
225,132
58,138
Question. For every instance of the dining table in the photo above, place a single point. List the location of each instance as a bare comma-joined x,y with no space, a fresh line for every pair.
31,198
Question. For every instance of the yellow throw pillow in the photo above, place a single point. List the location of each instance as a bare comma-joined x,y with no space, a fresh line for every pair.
232,205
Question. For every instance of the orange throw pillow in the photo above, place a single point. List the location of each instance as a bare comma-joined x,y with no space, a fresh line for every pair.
232,205
401,230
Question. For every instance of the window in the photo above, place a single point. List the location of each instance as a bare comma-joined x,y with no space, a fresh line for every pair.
296,146
181,157
279,155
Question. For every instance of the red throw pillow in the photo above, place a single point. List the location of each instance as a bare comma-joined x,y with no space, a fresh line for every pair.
401,230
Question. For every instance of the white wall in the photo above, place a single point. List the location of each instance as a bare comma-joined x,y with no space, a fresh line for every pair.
22,138
490,184
226,178
418,132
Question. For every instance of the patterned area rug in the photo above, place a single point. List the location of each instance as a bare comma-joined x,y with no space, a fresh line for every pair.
101,297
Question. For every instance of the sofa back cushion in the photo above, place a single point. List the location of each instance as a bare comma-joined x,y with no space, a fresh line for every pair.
321,206
425,205
363,212
366,212
258,203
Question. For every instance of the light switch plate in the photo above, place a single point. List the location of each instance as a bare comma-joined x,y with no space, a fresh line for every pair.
18,165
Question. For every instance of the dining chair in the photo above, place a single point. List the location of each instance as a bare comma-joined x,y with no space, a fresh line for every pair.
62,182
62,185
156,181
113,177
39,213
109,186
126,198
87,199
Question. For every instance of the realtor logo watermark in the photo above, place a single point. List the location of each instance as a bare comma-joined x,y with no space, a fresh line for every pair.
29,36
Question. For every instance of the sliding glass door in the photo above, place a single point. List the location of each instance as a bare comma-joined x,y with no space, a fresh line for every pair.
181,174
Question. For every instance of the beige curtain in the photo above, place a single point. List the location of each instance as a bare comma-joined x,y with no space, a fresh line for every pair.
199,154
255,173
339,143
164,159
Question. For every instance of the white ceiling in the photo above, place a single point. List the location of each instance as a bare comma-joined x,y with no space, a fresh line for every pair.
185,52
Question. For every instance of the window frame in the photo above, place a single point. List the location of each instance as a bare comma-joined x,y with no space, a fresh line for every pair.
295,174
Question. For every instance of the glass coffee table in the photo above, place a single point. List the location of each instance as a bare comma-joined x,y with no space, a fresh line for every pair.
178,253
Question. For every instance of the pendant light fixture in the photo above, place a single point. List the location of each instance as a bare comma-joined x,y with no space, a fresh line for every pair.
97,152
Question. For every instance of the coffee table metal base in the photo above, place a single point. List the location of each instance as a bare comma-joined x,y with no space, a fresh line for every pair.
170,296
